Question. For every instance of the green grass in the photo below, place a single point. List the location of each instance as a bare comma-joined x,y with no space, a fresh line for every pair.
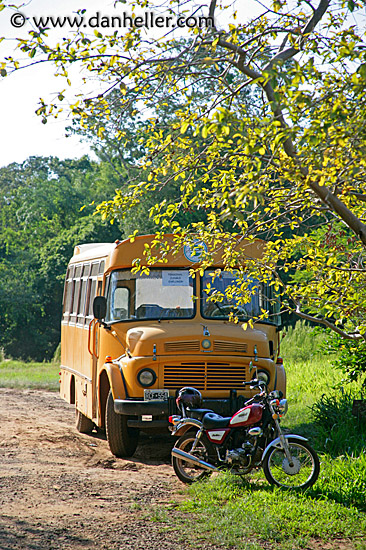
236,511
19,375
250,514
301,343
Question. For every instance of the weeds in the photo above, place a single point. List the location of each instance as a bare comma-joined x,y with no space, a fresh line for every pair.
343,480
302,343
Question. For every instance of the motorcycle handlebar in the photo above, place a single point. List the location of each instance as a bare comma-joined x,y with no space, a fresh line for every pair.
255,383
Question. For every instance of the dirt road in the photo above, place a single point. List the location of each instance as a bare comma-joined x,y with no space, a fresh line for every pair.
60,489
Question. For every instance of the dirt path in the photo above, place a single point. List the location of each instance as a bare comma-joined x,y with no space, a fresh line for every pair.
60,489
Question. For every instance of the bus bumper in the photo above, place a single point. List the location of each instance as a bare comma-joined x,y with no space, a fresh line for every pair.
137,408
145,414
154,414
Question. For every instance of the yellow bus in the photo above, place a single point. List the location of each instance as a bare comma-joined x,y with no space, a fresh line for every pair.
130,341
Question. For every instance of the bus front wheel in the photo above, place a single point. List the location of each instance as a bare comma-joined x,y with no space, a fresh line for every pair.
122,440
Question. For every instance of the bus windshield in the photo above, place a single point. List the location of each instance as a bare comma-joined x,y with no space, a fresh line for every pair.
221,295
162,294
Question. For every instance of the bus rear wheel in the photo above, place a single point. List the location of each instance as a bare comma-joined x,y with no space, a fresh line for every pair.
122,440
83,424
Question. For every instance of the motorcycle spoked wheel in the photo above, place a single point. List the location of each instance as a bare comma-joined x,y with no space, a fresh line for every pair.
301,475
185,471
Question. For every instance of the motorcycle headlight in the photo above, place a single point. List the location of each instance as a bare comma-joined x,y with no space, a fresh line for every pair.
263,375
146,377
282,407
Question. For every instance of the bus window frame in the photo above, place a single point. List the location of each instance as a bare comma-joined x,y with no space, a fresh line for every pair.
81,307
75,295
89,298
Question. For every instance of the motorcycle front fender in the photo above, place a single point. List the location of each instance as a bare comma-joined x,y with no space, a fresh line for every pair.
186,424
277,443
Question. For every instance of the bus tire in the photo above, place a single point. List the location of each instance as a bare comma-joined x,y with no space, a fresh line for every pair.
122,440
83,424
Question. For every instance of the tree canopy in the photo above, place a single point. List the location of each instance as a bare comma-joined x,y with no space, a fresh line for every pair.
266,138
40,223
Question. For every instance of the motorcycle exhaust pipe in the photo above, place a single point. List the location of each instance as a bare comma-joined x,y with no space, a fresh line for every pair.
177,453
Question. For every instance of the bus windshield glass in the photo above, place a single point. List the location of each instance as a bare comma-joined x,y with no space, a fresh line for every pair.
161,294
221,295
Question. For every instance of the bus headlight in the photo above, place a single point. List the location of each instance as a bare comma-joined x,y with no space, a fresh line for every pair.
146,377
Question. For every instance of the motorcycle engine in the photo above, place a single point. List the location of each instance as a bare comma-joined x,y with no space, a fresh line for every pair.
241,455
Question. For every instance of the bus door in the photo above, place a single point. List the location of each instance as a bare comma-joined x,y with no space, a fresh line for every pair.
93,343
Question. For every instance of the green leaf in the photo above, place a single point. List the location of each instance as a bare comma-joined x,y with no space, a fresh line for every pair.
184,127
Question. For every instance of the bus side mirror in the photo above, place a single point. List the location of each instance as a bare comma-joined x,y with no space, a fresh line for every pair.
99,307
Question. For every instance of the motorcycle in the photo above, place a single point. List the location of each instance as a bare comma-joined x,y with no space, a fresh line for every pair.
250,439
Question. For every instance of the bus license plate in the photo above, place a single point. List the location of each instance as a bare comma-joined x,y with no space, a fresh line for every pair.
156,395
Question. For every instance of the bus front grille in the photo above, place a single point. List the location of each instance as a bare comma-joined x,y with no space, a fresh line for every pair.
230,347
205,375
188,346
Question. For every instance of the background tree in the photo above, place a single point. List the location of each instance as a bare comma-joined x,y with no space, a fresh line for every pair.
290,168
40,223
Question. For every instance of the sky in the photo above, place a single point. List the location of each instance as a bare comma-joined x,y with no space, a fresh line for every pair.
23,133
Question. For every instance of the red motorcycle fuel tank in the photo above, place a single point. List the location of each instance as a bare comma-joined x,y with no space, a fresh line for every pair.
247,416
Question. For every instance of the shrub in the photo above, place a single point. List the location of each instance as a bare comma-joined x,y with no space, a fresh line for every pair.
338,432
351,357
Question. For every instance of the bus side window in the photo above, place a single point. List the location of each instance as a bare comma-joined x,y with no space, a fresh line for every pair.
92,287
81,307
82,299
94,269
68,293
76,289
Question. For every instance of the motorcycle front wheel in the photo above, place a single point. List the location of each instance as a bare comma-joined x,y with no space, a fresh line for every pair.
300,473
186,471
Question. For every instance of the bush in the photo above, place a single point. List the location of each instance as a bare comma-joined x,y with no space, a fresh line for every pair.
338,432
351,357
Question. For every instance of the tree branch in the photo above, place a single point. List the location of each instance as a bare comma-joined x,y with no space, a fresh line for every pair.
323,192
328,324
293,50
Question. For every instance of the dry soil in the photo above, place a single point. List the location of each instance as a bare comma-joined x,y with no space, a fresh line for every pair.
62,489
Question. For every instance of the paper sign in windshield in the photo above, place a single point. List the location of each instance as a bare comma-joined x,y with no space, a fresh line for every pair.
175,278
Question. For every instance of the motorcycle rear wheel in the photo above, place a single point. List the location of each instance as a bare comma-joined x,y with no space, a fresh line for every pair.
185,471
301,475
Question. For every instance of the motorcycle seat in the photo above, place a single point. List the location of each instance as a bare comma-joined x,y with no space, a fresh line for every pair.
198,414
211,421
